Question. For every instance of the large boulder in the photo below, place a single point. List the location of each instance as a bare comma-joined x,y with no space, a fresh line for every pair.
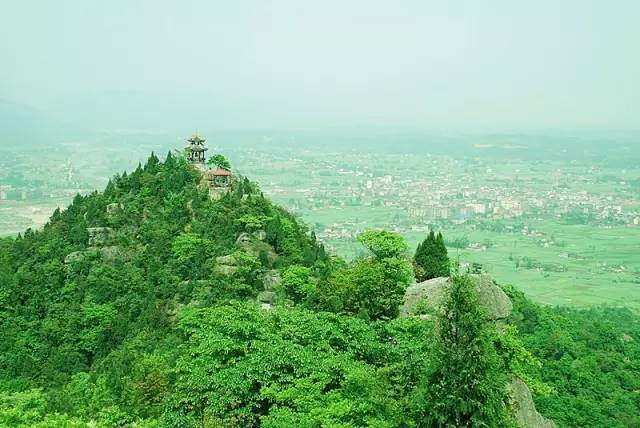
109,254
243,239
524,408
430,293
493,298
229,259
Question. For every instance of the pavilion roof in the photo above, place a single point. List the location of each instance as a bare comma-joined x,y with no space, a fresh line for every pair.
219,173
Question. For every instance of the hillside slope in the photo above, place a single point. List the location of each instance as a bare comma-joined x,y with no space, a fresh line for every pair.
150,304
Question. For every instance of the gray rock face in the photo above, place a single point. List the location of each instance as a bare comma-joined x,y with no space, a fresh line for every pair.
266,297
109,254
524,408
271,279
493,298
227,270
228,260
431,292
260,235
243,239
227,265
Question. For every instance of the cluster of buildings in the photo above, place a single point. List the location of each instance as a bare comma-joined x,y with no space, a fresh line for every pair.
462,192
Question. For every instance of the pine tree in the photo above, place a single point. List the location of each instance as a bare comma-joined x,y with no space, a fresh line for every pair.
152,163
169,162
431,259
465,386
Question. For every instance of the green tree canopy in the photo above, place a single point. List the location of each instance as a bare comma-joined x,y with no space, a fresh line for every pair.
219,161
465,386
383,243
373,287
431,259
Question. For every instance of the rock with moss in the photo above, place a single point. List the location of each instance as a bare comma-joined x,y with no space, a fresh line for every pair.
257,248
524,408
226,265
90,253
266,297
426,296
271,279
113,209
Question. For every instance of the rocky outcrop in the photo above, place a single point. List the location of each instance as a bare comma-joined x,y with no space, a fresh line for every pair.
79,256
423,295
429,294
99,246
227,265
243,239
114,253
259,234
254,245
495,301
524,408
271,279
266,298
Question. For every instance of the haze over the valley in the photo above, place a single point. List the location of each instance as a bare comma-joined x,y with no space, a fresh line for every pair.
498,66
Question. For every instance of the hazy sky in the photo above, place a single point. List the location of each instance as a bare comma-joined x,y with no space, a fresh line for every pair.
490,64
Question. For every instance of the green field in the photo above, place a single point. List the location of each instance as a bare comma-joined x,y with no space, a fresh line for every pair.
602,264
579,265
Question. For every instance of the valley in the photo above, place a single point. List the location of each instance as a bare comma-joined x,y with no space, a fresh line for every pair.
564,231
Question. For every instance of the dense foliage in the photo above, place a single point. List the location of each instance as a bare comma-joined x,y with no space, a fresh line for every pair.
373,287
138,306
431,259
590,357
219,161
88,304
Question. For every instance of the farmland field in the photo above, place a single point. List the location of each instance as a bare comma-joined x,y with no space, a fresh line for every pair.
560,264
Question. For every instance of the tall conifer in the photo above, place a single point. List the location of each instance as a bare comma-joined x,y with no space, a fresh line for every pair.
465,386
431,259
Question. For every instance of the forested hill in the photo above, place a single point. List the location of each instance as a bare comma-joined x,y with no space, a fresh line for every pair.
89,303
151,304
